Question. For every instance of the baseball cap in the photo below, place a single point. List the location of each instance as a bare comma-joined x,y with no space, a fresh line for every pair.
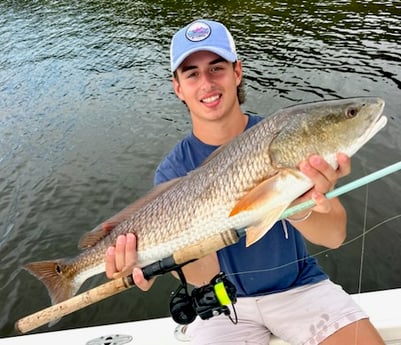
201,35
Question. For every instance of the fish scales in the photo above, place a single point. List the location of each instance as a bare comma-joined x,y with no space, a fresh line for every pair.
218,182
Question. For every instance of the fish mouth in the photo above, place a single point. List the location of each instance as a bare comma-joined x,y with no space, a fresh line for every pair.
378,123
381,121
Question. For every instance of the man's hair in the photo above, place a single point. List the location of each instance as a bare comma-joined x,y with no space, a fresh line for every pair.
241,92
240,87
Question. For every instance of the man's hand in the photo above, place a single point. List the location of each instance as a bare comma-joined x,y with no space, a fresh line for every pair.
324,177
121,261
326,225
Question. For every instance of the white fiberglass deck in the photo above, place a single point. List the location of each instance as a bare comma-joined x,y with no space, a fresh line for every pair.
384,308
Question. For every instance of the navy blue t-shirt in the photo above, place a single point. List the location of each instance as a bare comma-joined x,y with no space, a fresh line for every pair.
277,262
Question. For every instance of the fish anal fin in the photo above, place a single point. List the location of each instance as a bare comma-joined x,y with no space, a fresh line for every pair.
255,232
257,196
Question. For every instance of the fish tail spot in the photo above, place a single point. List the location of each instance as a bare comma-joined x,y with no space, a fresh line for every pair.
52,274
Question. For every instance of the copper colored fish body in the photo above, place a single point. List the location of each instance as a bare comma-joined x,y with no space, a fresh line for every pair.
247,183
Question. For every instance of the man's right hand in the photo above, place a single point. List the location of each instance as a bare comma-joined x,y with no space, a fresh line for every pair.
121,260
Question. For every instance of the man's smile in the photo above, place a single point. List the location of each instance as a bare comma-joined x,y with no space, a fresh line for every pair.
211,99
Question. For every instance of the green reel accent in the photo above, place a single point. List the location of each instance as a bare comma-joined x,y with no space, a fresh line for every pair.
221,294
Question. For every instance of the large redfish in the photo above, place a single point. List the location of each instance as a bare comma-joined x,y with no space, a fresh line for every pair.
247,183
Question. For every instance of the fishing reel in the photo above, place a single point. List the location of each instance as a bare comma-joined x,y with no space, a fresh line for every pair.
207,301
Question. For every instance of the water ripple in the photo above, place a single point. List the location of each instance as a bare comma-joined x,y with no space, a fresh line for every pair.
87,111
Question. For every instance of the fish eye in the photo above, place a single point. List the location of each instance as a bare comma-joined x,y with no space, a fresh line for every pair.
351,112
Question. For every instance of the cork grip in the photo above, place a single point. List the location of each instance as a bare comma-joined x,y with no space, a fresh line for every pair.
205,247
75,303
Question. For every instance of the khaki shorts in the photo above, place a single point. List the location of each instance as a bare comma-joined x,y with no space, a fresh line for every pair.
304,315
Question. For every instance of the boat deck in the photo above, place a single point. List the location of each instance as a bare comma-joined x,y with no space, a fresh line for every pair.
384,307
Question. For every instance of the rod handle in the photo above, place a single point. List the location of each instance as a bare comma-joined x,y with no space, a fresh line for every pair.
205,247
75,303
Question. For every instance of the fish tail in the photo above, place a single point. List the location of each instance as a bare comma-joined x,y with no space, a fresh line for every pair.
60,284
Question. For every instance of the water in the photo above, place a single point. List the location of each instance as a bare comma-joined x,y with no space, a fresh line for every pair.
87,111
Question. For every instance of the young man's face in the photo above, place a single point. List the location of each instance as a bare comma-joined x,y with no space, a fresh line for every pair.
208,84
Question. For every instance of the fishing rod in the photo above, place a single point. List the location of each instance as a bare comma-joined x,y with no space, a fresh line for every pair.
344,189
176,261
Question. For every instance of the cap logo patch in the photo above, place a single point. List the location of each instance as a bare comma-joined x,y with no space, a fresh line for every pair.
198,31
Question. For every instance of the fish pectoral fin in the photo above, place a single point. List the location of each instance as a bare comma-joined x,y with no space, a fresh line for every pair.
255,232
261,194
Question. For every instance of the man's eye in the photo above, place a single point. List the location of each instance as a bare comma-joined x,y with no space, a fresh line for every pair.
216,68
192,75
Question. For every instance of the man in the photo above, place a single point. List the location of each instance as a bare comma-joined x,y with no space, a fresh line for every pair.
290,296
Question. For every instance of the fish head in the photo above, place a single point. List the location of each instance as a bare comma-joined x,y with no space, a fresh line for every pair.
326,128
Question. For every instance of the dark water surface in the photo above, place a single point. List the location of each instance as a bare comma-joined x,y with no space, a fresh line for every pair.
87,112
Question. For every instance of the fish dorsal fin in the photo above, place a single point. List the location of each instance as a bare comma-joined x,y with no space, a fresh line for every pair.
255,232
257,196
92,237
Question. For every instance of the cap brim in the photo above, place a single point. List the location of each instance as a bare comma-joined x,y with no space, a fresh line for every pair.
227,55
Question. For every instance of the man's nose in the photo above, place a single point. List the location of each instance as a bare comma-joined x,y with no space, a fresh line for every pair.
207,79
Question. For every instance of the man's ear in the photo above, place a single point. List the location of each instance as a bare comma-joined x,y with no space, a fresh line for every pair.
238,72
177,88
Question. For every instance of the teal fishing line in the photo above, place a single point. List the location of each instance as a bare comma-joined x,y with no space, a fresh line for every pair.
344,189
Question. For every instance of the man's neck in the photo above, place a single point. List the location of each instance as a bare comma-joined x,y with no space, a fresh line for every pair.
219,132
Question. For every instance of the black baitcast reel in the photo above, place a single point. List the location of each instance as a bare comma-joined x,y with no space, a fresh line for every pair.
207,301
